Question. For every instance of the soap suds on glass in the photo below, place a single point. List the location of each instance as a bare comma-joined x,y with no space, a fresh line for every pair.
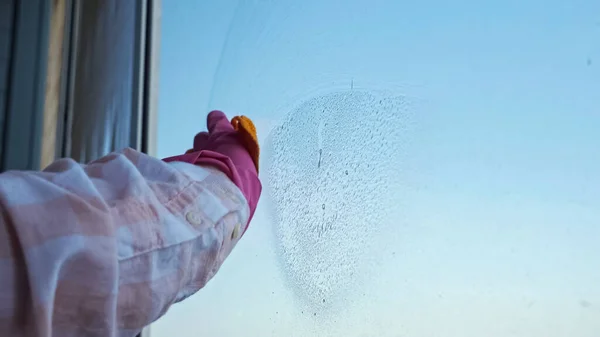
326,222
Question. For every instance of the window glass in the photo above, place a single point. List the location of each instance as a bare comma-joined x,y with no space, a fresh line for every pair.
429,168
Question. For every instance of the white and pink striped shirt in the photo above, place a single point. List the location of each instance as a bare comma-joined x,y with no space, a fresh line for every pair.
104,249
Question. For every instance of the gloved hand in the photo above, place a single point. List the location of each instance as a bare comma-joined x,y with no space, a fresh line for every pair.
225,137
229,150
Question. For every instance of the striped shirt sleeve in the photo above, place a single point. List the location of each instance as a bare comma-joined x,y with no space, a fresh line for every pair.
104,249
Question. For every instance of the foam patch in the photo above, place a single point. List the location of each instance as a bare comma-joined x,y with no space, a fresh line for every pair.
333,168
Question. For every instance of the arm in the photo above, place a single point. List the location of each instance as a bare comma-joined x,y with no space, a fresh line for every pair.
104,249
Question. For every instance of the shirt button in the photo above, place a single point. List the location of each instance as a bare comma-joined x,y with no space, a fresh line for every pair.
193,218
236,232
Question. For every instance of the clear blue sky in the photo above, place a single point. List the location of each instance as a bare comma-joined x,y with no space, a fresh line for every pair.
500,216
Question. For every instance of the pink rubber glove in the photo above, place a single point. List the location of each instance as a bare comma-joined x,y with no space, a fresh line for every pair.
221,148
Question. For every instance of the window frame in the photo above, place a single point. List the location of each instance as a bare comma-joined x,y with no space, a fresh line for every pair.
23,117
27,122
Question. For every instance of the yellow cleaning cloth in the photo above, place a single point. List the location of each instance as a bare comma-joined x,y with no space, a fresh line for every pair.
247,132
